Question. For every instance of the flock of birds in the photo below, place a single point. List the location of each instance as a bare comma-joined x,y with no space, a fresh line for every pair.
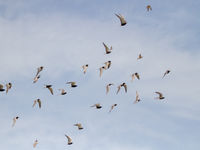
106,66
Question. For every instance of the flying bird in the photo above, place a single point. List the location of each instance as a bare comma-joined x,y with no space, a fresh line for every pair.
14,120
37,101
137,76
160,96
107,64
35,143
122,19
101,70
149,8
137,99
85,68
98,106
63,92
50,88
8,87
166,72
39,70
140,57
1,88
112,107
69,140
36,78
124,85
80,127
108,87
108,50
73,84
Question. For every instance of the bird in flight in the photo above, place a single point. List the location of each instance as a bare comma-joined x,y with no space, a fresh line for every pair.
122,19
39,69
35,143
63,92
69,140
149,8
2,88
166,72
101,70
8,87
73,84
15,120
36,78
107,64
108,50
112,107
85,68
137,99
37,101
140,57
80,127
108,87
49,87
160,96
124,85
98,106
135,75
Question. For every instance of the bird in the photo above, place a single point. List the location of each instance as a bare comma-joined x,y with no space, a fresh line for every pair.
73,84
124,85
36,78
107,64
39,69
79,126
8,87
37,101
85,68
35,143
101,70
137,99
108,87
112,107
50,88
160,96
140,57
14,120
108,50
69,140
137,76
122,19
98,106
63,92
166,72
149,8
2,88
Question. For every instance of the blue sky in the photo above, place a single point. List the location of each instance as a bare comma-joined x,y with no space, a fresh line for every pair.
64,35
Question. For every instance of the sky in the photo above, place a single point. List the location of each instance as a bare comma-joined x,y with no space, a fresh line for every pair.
66,34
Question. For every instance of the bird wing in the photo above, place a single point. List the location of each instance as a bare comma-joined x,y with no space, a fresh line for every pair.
14,121
68,138
51,90
119,87
133,77
160,94
7,88
35,143
125,88
107,89
101,71
106,47
39,103
34,103
138,77
122,20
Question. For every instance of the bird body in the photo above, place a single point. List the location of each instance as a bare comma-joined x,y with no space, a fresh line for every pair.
137,99
140,57
101,70
108,87
166,72
39,69
112,107
107,64
149,8
2,88
15,120
49,87
63,92
35,143
36,78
